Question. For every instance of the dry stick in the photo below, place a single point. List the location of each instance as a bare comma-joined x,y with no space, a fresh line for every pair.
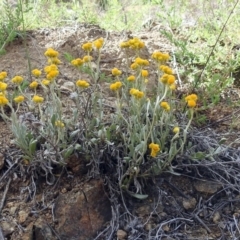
209,56
5,194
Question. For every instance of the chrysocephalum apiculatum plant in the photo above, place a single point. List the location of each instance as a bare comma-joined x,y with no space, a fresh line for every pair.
142,128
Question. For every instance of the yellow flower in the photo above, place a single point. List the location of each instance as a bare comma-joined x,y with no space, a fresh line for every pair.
160,57
165,106
193,97
171,79
45,82
191,103
173,86
82,84
54,60
115,86
87,47
59,123
36,72
167,79
19,99
51,53
77,62
131,78
124,44
98,43
50,68
176,130
141,62
3,75
166,69
3,101
37,99
116,72
3,86
17,80
144,73
136,93
155,148
52,74
191,100
87,59
33,85
134,66
136,43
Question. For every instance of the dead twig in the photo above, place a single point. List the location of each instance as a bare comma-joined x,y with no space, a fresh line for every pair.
5,194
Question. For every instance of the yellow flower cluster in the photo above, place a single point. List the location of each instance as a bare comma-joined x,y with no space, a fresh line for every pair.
52,69
19,99
167,79
191,100
3,100
139,62
77,62
166,69
3,86
51,72
98,43
116,86
82,84
131,78
45,82
165,106
36,72
59,124
116,72
155,148
87,47
144,73
37,99
33,85
134,43
87,59
136,93
3,75
17,80
51,53
54,60
160,57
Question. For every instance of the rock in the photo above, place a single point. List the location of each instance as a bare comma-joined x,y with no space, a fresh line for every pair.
7,228
121,234
189,203
82,213
1,161
68,86
207,187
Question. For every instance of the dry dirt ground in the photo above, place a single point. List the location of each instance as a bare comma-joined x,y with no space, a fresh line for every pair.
201,202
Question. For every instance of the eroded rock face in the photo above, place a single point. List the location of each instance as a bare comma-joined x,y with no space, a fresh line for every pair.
82,212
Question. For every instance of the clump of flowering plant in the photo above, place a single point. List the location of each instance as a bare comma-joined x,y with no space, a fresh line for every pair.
140,131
